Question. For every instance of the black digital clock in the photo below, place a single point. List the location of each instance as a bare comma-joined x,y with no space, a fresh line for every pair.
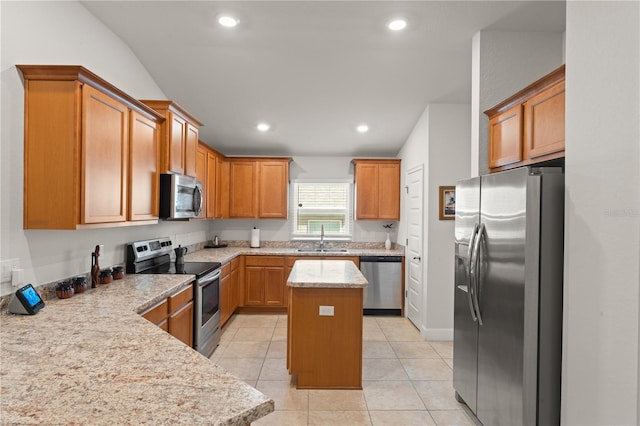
26,300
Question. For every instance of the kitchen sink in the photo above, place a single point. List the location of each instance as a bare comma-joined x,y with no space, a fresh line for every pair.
317,250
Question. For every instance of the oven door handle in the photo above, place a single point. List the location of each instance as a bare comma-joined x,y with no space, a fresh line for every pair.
212,276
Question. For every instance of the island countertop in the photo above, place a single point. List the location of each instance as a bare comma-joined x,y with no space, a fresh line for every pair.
92,359
326,274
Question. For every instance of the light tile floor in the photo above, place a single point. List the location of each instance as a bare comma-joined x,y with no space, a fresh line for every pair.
406,380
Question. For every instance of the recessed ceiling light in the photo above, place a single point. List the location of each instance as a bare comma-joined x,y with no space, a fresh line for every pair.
227,21
263,127
397,24
362,128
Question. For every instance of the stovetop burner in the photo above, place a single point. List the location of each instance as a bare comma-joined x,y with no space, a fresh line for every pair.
190,268
154,257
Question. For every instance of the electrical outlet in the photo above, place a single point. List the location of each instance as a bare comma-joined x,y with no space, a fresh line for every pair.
6,266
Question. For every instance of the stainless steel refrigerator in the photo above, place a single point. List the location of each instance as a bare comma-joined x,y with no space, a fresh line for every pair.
509,234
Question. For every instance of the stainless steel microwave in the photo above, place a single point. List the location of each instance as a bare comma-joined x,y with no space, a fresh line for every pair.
180,197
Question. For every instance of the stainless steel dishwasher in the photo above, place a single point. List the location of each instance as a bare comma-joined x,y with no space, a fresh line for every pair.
383,295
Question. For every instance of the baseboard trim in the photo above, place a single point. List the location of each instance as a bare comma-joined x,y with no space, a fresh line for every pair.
438,334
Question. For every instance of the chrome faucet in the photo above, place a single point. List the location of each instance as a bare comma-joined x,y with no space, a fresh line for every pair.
321,237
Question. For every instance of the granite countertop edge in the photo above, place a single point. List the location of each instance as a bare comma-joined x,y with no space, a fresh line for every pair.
93,358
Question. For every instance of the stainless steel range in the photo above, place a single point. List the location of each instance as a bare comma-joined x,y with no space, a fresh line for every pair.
154,257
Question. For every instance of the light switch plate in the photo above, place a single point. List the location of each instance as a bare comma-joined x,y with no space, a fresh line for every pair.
6,266
326,311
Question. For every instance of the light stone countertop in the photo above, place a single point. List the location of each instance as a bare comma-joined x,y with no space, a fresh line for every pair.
92,359
326,274
226,254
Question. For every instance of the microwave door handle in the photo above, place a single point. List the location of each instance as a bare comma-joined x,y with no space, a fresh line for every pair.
469,271
197,200
476,281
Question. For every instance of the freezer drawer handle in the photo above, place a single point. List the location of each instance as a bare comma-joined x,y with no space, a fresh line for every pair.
468,272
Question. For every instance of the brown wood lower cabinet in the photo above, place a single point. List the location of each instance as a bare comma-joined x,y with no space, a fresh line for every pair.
229,291
265,281
175,315
325,352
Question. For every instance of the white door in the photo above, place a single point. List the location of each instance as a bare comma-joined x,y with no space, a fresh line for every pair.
414,244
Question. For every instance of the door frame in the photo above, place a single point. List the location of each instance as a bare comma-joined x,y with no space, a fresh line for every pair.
418,321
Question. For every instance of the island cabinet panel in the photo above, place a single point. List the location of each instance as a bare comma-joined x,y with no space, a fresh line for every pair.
178,138
377,189
265,281
145,163
528,127
95,133
325,352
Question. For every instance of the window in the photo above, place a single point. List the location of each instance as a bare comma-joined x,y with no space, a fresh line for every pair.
321,204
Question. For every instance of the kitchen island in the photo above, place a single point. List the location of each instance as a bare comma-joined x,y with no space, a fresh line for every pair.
324,327
91,359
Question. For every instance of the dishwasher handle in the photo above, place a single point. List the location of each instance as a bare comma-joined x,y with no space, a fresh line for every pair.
380,259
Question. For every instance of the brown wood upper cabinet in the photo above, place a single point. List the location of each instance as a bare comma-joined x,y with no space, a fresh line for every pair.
179,138
90,152
377,189
258,187
528,127
207,164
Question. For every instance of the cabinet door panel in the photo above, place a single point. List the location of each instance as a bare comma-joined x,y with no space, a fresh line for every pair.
105,142
225,299
234,289
242,191
222,188
389,193
273,189
367,191
274,286
190,150
177,130
254,285
145,163
181,324
210,192
201,175
544,122
505,137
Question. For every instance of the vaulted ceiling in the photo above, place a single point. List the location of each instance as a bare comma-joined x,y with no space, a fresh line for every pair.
314,70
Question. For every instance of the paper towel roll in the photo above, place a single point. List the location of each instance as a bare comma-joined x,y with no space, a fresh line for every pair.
255,238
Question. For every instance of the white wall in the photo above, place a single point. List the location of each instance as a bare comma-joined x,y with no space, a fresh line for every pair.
504,62
63,33
304,168
440,142
600,376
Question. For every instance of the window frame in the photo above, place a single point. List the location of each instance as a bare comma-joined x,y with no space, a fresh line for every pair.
349,213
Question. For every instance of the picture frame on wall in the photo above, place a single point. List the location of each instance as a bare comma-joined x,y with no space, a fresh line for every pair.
447,202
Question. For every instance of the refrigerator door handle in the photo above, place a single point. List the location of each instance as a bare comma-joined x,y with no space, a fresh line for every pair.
468,272
476,271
